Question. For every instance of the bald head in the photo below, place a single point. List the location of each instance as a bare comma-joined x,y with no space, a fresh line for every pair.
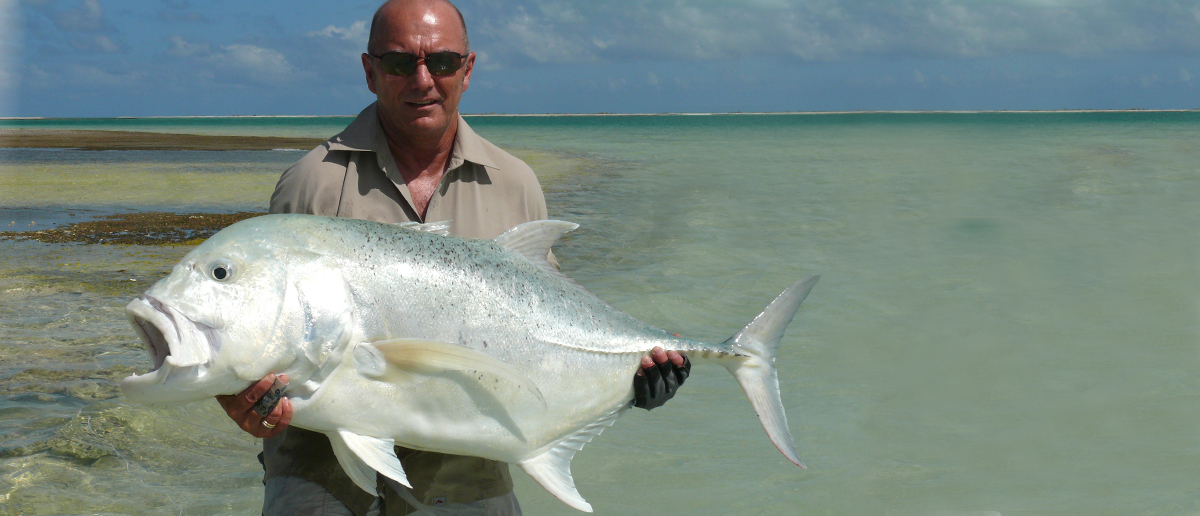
381,22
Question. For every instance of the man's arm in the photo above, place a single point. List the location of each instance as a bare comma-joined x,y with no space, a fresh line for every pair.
301,189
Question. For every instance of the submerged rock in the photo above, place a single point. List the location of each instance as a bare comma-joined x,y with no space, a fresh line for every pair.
153,437
83,385
102,432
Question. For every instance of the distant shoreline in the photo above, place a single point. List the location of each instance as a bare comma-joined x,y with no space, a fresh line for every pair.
756,113
115,138
98,140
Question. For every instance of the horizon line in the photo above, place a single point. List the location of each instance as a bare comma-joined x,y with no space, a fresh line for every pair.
602,113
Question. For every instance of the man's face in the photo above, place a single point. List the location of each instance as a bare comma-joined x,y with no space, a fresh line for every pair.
420,106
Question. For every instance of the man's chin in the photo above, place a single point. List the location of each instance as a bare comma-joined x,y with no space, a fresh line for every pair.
437,122
425,127
421,121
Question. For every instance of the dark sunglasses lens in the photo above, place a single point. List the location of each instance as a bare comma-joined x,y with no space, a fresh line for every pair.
399,63
442,63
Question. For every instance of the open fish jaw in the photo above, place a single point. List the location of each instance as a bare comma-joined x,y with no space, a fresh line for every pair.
153,325
172,339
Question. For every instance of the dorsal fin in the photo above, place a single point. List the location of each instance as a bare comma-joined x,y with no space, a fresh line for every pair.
534,239
437,228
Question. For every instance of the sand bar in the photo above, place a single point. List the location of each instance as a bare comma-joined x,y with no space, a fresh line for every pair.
136,140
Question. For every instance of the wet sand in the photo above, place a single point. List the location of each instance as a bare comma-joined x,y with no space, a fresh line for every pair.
135,140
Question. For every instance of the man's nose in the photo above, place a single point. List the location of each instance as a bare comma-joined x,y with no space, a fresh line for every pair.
421,76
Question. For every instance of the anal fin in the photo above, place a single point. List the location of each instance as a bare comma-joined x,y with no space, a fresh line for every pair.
361,456
552,467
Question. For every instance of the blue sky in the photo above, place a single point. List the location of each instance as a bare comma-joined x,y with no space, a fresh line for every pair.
85,58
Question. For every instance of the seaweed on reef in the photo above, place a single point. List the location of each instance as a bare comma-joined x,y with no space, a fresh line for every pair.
148,228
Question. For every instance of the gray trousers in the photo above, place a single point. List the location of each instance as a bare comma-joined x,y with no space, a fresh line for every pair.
293,496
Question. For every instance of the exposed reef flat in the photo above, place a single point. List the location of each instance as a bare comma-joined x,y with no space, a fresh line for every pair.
149,228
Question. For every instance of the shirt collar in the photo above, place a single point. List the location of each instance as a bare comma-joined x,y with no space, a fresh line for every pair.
364,134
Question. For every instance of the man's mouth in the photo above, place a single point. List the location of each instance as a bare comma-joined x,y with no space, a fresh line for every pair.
422,103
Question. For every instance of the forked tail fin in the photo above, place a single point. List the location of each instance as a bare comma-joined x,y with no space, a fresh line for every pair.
759,341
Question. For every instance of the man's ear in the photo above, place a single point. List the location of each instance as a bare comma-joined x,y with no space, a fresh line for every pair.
467,70
369,69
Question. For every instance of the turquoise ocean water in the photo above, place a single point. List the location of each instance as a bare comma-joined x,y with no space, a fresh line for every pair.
1007,322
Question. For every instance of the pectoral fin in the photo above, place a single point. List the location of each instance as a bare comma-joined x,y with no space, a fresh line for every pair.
361,456
431,357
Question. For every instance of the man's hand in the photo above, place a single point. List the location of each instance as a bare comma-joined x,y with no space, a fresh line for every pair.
661,375
240,408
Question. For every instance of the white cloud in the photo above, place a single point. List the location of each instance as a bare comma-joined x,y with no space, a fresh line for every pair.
82,26
236,63
106,44
96,43
484,61
257,63
541,40
182,48
357,31
582,30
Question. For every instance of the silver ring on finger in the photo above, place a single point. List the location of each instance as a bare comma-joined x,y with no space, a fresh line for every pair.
266,424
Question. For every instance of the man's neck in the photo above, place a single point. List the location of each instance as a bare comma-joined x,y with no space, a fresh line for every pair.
418,156
421,162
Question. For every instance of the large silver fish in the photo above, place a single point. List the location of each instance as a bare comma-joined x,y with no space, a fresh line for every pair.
392,336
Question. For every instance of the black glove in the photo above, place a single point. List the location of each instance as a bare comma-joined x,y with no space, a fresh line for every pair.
659,384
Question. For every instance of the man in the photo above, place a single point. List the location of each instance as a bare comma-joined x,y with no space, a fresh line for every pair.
409,157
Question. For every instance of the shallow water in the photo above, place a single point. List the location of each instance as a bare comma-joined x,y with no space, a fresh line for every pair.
1006,321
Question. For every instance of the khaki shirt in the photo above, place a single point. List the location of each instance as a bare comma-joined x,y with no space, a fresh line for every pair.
484,192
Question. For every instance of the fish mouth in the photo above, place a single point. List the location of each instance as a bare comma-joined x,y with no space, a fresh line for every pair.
178,345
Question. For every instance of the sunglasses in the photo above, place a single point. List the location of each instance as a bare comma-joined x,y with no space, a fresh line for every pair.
405,64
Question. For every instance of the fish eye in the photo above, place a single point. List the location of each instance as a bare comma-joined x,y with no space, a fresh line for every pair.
221,271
